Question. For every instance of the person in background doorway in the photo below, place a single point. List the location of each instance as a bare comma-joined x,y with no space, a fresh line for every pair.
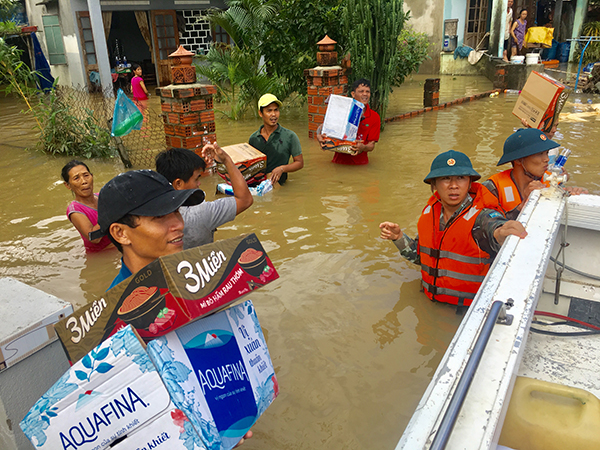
509,19
138,89
517,33
460,231
368,128
278,143
183,168
83,211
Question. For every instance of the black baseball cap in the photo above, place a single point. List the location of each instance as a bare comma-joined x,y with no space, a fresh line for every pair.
141,193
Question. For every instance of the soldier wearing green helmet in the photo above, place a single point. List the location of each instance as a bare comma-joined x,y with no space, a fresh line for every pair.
459,232
527,150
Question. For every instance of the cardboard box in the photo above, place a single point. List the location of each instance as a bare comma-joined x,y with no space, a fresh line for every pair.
114,393
541,101
170,292
251,162
342,117
28,318
219,373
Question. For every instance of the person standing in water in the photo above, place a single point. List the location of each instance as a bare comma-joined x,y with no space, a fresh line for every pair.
83,211
461,229
278,143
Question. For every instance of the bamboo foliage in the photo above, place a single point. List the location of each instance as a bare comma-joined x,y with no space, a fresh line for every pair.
373,28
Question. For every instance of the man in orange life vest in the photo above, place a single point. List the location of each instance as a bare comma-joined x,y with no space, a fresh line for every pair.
460,231
527,151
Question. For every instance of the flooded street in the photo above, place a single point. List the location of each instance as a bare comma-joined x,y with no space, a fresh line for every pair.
354,342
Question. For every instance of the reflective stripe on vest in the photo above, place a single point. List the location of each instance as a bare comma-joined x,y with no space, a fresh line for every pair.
437,254
450,273
435,290
508,192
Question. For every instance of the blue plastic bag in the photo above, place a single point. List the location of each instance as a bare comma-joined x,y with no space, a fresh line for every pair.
126,116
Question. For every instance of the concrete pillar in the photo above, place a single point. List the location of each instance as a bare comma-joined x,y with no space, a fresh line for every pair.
31,357
431,92
497,26
580,14
101,49
325,79
187,106
557,19
188,115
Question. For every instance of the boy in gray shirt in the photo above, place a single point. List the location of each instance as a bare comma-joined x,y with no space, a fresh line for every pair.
183,169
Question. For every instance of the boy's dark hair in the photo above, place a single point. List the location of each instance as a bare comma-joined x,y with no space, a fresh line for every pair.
67,168
178,163
131,221
358,82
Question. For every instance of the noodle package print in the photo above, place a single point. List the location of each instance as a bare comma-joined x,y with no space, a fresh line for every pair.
170,292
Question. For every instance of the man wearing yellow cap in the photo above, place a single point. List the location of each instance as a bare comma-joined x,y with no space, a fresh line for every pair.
278,143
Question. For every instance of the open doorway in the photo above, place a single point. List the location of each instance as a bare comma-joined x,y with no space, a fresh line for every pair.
127,41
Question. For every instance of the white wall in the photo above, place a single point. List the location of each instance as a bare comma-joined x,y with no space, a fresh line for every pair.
72,73
426,16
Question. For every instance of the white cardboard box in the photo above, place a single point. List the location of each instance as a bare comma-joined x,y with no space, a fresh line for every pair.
342,117
219,373
113,393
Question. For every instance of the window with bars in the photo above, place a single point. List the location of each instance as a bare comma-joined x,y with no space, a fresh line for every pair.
476,23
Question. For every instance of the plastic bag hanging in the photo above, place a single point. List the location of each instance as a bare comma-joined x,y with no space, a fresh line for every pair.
126,116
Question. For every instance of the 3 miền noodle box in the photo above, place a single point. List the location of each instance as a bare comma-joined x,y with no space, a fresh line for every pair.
170,292
219,373
342,117
113,394
541,101
251,162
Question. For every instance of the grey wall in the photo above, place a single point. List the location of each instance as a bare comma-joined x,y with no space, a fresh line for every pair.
427,16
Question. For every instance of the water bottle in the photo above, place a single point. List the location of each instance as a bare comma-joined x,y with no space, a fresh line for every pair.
557,174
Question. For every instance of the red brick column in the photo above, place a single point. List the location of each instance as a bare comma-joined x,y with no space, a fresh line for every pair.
322,82
188,115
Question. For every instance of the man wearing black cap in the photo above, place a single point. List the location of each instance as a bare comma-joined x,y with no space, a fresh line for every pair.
139,211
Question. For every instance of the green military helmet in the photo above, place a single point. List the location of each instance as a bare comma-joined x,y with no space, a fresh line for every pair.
451,163
525,142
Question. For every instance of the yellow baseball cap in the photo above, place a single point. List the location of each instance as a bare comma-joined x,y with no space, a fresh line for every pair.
266,100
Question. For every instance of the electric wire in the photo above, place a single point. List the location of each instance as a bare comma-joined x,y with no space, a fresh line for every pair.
592,330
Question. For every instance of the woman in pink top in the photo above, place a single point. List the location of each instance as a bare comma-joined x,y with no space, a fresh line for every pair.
138,88
83,211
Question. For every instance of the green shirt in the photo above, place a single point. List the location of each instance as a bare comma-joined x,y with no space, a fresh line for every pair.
282,145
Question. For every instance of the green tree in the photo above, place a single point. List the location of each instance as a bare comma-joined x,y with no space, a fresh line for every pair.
410,54
290,42
373,27
238,80
236,69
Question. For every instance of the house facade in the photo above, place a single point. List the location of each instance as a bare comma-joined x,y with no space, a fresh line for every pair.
478,17
84,39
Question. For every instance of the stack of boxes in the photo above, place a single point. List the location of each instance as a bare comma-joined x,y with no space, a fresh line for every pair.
325,79
187,106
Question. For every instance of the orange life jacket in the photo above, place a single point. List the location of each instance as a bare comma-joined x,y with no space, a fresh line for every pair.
508,194
510,197
452,264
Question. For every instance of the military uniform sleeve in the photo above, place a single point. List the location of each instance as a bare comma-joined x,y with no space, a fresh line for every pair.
483,230
409,249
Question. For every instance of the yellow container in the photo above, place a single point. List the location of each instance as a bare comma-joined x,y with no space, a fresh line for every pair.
549,416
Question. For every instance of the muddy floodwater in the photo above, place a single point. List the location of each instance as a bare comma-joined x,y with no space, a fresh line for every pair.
353,340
